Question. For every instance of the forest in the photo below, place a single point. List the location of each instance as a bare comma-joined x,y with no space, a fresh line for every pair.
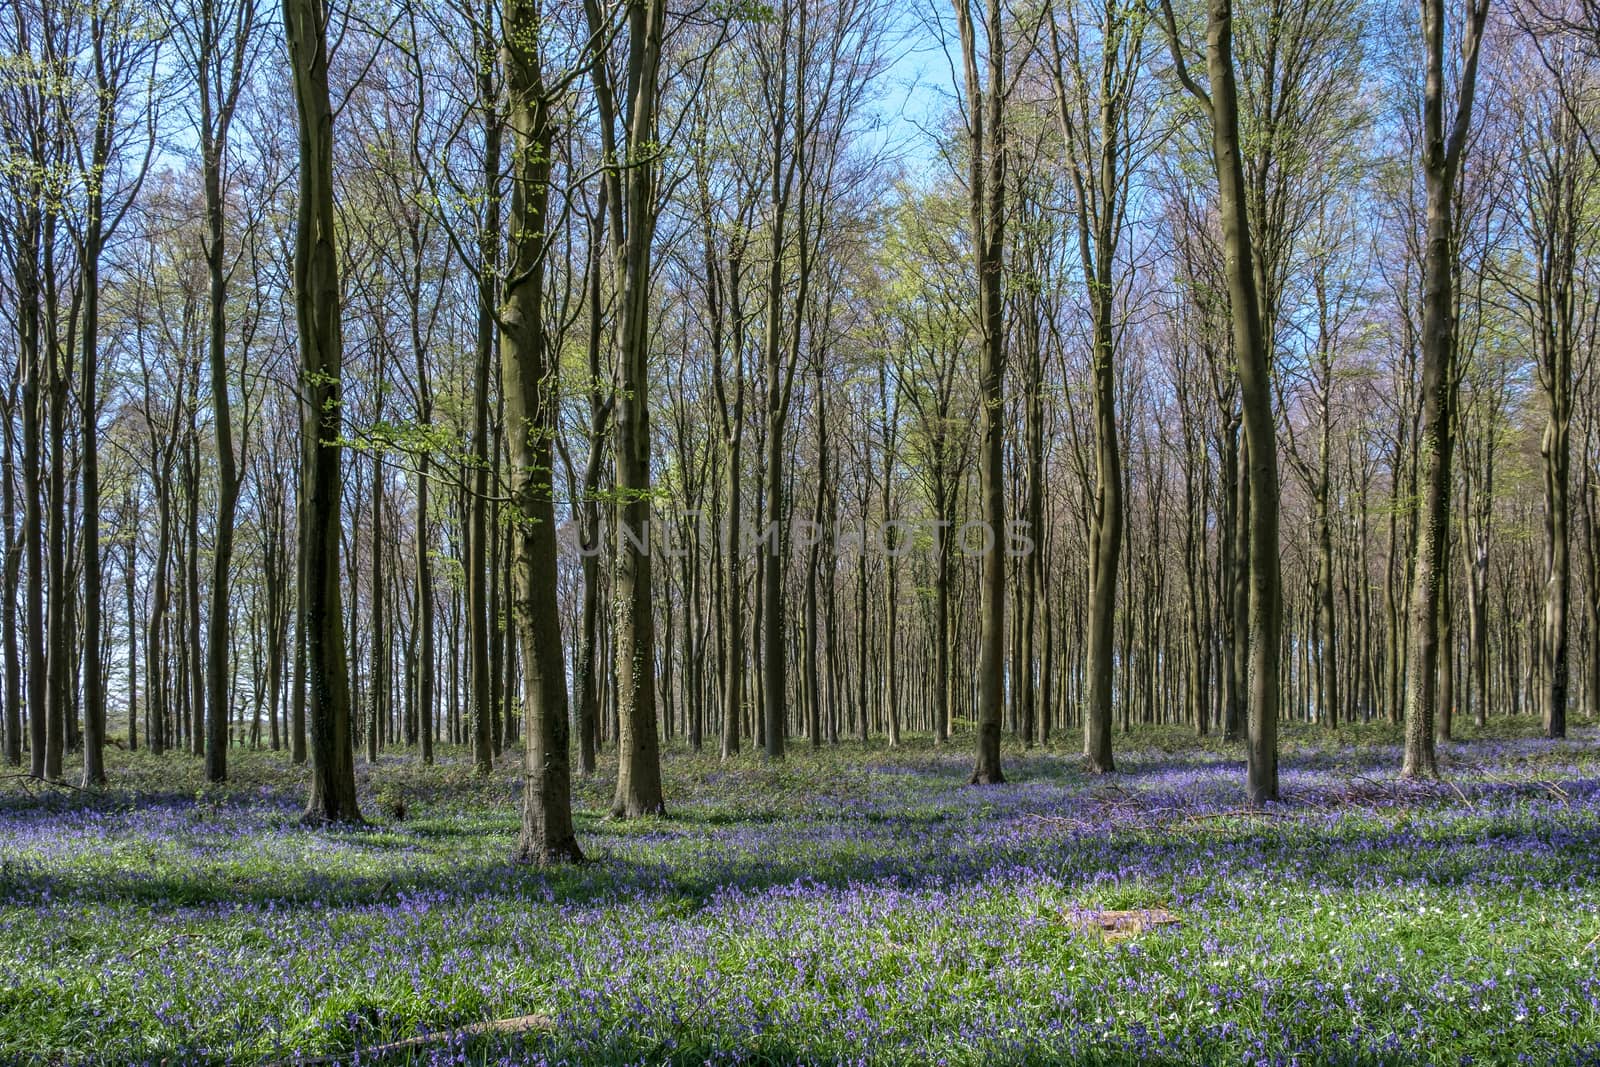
638,531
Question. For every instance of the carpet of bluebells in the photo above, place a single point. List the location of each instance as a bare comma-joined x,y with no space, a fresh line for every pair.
845,907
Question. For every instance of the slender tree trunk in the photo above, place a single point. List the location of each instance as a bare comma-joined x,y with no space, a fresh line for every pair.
1232,589
218,639
986,184
1590,496
94,697
194,654
1441,156
733,667
426,700
317,319
9,582
128,568
1105,544
813,562
158,698
30,357
1095,146
1557,309
942,636
1034,510
779,369
633,189
1444,708
527,381
586,670
378,623
477,561
893,548
57,636
1326,620
1251,351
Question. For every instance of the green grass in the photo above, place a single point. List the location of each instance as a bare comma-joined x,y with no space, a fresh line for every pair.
846,906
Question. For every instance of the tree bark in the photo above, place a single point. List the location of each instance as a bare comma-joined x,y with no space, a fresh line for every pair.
12,569
631,170
1441,158
317,320
1254,364
528,383
216,115
477,557
986,184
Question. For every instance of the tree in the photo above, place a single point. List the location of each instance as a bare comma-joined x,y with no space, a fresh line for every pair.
219,49
528,380
927,299
320,338
35,175
631,167
601,401
486,71
120,53
724,239
985,96
1556,177
1442,148
1250,345
785,87
1094,98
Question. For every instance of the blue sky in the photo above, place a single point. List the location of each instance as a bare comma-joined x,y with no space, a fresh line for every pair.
917,89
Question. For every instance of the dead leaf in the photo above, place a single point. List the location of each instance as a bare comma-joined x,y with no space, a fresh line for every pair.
1120,925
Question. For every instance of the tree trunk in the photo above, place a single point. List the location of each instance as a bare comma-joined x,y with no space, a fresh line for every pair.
477,561
218,638
56,671
94,697
317,320
1441,157
1260,484
8,598
426,700
193,650
380,666
1591,516
1106,541
527,381
30,356
128,568
632,193
986,183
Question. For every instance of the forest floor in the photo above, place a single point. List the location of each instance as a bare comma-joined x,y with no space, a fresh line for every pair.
843,907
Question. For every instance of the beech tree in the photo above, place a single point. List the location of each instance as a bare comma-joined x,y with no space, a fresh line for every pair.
1444,141
687,282
1250,345
627,105
320,339
1101,139
986,88
527,375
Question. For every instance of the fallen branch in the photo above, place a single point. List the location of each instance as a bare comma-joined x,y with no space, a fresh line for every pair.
1062,820
29,781
521,1024
1236,812
1554,790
